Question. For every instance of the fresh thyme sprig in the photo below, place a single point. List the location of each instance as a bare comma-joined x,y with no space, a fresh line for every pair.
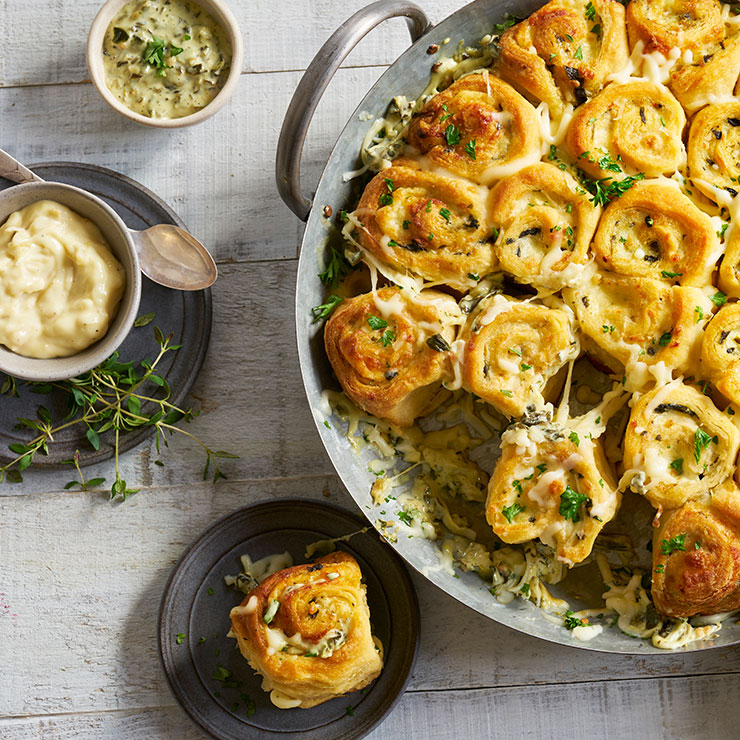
606,188
110,397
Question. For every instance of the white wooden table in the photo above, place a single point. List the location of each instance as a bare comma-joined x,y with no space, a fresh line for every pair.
80,579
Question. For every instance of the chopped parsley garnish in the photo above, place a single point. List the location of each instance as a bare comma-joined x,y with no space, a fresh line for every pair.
452,134
667,274
697,545
350,710
406,224
590,11
524,588
386,198
376,322
517,485
701,442
515,351
506,393
447,114
649,221
660,568
721,232
406,517
202,640
445,213
210,591
511,511
324,310
607,163
337,268
578,54
570,622
153,55
180,638
699,313
509,21
470,148
570,502
606,188
573,437
677,465
523,367
719,299
665,339
225,677
474,276
387,338
608,328
674,543
542,467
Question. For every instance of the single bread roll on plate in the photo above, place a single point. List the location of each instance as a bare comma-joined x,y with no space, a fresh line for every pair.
307,631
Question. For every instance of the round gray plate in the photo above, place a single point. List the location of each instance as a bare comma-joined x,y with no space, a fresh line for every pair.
196,603
186,314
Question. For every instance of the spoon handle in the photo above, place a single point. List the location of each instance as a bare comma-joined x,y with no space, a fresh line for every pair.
11,169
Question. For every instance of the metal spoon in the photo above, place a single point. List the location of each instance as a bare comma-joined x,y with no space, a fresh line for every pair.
168,255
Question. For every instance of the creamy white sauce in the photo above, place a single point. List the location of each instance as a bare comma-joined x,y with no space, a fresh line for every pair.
60,285
165,60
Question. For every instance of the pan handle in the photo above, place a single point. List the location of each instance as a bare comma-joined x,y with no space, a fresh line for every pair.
315,81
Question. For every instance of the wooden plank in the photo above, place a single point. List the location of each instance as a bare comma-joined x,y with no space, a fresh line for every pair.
276,36
249,392
80,599
218,176
677,708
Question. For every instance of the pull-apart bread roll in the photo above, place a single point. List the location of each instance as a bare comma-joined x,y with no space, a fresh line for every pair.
678,444
545,224
628,129
514,351
663,25
391,351
720,352
729,269
306,630
552,485
479,128
564,51
428,224
714,141
696,556
635,323
711,75
655,231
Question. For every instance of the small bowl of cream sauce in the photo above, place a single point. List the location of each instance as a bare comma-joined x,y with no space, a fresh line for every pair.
165,63
70,282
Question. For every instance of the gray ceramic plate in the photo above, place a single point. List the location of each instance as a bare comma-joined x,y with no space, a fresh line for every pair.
196,604
188,315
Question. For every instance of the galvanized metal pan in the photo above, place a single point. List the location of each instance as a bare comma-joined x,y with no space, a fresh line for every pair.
408,76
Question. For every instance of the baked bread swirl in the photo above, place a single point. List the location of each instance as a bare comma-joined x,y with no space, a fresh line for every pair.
514,352
545,224
428,224
655,231
663,25
720,352
392,351
628,129
696,556
711,75
479,128
714,140
550,484
563,53
307,631
678,444
639,323
728,279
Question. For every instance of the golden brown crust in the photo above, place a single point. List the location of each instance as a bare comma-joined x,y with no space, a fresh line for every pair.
696,556
324,604
539,487
655,231
514,351
712,75
714,139
638,320
431,225
637,124
720,352
393,371
545,224
682,444
663,25
729,270
493,125
562,53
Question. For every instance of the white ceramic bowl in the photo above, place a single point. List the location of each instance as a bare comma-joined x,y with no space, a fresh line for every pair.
221,14
120,243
